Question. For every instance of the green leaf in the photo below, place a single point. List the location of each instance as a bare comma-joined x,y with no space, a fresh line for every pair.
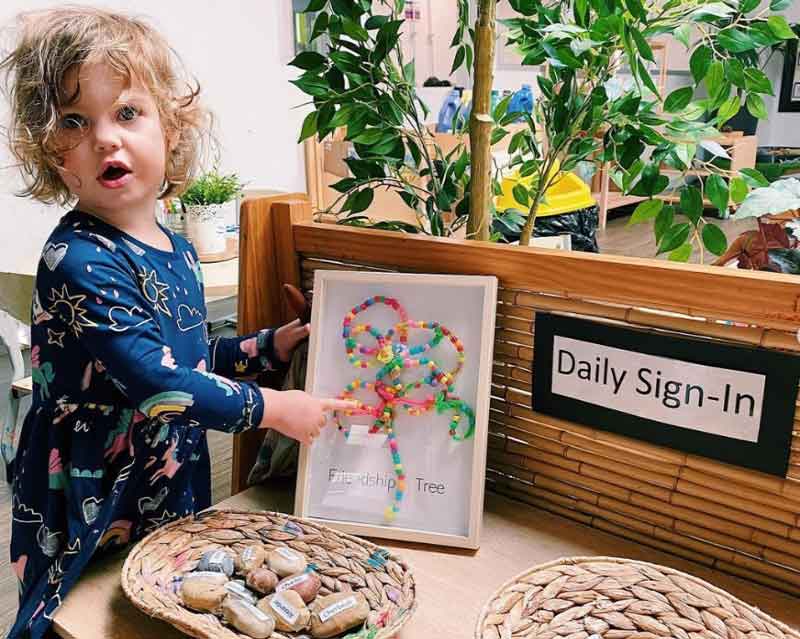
354,30
413,149
364,169
663,222
780,27
714,239
362,200
685,153
561,56
346,61
410,72
501,108
746,6
312,85
370,136
780,5
756,106
674,237
410,199
754,178
715,78
712,10
692,203
734,71
683,33
728,109
459,59
521,195
652,182
757,81
343,186
309,127
762,35
461,165
735,40
324,119
646,210
320,26
739,190
641,44
700,62
308,60
497,134
717,192
376,22
315,5
682,253
345,8
678,99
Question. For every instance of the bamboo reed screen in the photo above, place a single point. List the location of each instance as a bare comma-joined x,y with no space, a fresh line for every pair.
733,519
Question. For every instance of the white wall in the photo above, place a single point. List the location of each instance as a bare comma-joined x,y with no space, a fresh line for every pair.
238,50
427,39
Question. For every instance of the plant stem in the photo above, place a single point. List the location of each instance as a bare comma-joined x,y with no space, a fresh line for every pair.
480,128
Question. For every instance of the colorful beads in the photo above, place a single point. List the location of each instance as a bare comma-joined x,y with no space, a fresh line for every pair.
392,355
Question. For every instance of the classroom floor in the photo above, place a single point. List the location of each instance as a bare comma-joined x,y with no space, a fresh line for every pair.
638,241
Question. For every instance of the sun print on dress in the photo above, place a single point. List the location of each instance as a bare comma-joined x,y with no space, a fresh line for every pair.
154,291
69,308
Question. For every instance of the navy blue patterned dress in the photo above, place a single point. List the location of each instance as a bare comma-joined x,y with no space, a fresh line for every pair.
125,382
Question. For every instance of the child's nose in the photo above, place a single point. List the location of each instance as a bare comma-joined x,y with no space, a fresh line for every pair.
106,137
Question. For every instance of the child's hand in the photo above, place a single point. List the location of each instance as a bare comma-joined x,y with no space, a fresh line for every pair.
287,337
297,414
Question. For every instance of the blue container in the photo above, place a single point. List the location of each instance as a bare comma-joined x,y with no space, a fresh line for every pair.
522,101
448,111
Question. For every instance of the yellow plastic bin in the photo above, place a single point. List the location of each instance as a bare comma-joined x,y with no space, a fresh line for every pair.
568,197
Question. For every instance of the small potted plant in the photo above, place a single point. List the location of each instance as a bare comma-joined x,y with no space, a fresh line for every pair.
205,203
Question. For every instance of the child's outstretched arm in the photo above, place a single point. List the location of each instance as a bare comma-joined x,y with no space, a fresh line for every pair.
100,299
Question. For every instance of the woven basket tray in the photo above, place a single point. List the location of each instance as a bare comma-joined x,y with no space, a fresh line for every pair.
612,598
152,571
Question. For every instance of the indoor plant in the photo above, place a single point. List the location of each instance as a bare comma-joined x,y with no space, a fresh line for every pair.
583,44
364,85
205,203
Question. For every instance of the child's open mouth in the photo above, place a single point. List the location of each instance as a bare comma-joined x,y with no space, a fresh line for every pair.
114,176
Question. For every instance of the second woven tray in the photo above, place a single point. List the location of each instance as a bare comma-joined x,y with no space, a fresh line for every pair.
153,570
610,598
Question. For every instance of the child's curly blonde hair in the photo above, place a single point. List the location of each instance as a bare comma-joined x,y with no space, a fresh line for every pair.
53,41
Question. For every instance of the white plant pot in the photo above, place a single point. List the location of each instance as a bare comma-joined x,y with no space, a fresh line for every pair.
205,228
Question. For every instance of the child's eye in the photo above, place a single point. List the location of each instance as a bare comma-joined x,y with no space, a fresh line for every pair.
73,121
127,113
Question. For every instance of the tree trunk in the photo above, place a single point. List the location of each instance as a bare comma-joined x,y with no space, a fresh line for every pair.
480,126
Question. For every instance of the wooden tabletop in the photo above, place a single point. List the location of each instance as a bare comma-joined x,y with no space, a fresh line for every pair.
452,585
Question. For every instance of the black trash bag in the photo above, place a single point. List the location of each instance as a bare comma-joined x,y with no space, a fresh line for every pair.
580,225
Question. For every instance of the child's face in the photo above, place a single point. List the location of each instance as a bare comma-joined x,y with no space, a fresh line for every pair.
118,164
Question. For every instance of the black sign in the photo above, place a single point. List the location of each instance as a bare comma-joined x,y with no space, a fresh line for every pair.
727,402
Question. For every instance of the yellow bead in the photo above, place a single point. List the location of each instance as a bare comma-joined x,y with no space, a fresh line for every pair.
389,514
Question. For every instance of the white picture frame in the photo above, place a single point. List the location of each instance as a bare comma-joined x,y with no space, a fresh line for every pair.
343,480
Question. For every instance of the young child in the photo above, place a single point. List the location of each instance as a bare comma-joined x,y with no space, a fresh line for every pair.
126,379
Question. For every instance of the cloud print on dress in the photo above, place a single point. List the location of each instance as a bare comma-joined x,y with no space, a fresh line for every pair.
188,318
121,319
